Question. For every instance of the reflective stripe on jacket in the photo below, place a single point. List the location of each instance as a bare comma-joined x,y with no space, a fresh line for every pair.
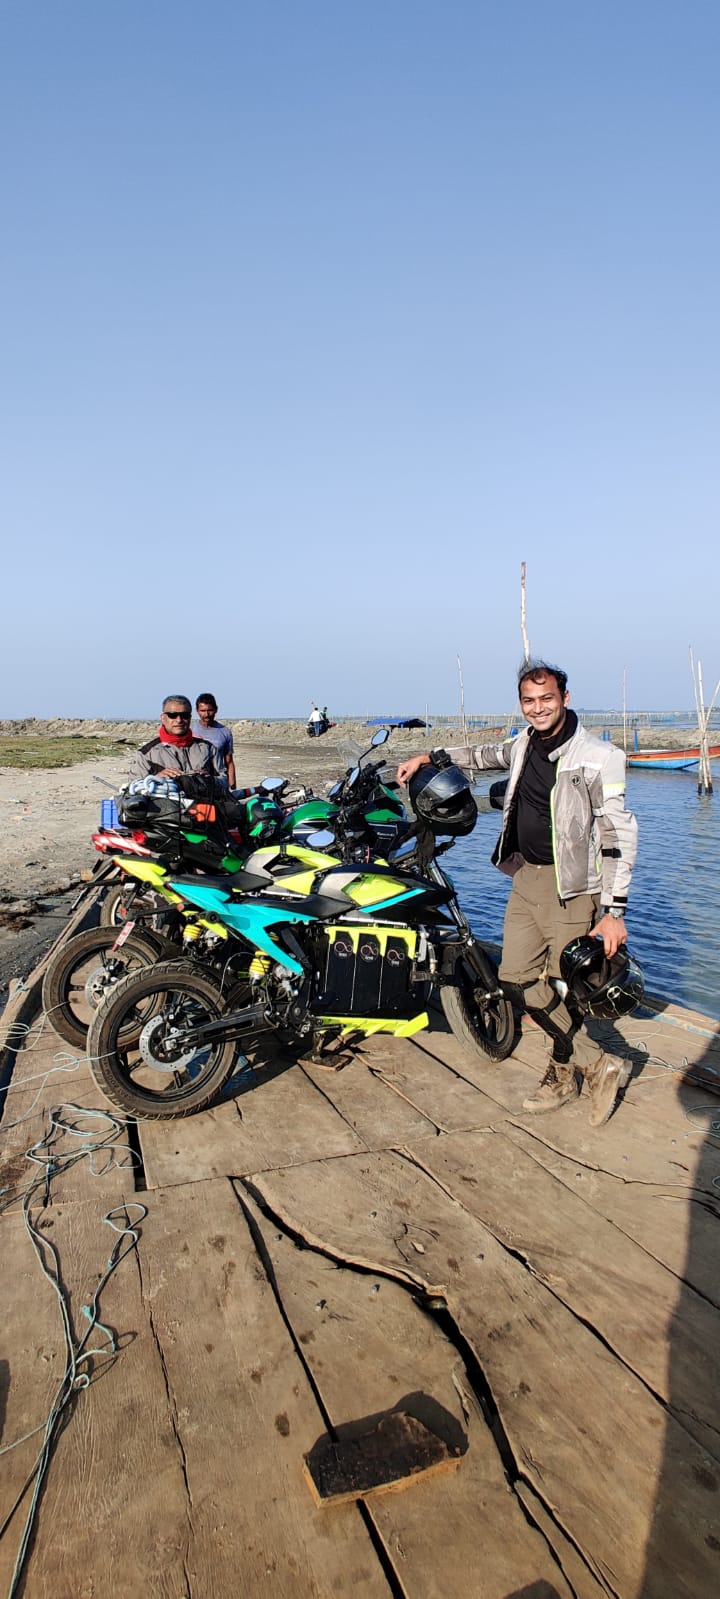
594,836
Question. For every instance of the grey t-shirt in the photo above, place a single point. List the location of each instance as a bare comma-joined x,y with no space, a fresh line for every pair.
219,736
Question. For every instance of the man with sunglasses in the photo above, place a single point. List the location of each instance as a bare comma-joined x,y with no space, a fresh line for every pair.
174,750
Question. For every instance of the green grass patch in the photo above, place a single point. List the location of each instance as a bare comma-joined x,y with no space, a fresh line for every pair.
42,753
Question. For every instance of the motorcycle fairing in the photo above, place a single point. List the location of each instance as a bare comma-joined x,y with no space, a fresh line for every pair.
157,877
374,888
262,860
149,872
254,919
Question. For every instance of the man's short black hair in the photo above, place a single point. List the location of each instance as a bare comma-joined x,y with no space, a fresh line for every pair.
537,670
177,699
206,699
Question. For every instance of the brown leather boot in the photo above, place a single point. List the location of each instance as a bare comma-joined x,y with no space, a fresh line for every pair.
552,1092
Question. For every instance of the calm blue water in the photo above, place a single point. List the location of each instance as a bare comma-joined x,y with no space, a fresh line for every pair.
674,914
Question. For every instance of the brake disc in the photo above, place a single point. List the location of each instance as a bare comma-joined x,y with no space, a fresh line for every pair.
156,1047
99,982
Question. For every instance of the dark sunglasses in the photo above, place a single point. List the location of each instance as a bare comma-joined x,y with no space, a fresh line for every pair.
176,716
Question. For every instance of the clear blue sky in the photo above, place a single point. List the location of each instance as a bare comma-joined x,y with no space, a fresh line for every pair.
319,317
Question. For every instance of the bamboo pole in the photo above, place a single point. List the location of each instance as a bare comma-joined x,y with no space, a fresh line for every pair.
625,709
704,771
705,740
462,702
523,612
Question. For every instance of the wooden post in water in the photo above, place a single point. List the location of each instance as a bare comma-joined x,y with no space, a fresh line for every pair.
462,702
703,715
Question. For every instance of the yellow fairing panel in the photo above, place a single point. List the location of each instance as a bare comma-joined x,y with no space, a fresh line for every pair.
400,1027
369,890
354,931
148,872
297,882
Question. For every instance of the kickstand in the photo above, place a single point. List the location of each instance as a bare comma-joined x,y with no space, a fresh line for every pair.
329,1050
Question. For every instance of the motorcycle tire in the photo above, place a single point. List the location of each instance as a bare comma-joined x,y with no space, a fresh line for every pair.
82,972
487,1029
142,1077
125,902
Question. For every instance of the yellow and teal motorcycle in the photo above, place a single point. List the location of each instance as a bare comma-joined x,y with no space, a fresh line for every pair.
343,948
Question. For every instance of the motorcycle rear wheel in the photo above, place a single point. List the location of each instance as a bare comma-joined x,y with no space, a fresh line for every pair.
486,1027
150,1077
125,902
81,973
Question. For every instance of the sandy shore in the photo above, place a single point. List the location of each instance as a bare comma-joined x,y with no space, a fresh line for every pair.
47,817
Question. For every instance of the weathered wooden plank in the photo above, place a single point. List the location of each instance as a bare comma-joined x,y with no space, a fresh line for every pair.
244,1412
674,1225
44,1072
671,1341
433,1087
114,1515
582,1582
370,1348
659,1057
633,1146
280,1120
505,1082
380,1117
48,1082
585,1432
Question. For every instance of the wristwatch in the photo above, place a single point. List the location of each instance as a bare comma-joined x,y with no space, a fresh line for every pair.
440,758
616,911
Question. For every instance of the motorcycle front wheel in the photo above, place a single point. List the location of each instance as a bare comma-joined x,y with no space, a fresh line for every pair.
483,1023
147,1070
83,972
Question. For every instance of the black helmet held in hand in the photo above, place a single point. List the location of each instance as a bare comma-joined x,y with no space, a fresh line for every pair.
596,985
444,800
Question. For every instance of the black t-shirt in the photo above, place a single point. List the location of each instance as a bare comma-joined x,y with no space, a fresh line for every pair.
532,815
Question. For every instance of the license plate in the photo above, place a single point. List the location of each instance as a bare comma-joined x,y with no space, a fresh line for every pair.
120,940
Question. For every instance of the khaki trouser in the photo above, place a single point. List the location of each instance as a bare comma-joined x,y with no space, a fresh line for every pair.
537,928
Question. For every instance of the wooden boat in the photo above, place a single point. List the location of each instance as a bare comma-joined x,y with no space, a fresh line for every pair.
670,760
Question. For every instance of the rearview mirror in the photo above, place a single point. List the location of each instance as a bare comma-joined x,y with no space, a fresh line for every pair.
381,737
321,840
496,793
271,785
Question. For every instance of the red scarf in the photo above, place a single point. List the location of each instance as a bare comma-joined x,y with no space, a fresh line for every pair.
180,740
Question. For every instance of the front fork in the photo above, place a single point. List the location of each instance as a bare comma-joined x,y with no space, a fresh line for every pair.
481,966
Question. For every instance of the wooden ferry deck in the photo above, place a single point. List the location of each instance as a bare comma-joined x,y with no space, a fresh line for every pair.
327,1247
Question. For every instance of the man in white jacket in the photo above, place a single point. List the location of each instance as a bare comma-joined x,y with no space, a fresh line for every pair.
569,844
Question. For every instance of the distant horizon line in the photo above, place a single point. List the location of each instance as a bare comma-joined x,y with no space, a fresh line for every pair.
436,717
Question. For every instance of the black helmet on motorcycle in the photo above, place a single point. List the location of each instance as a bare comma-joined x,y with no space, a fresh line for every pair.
444,800
598,986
